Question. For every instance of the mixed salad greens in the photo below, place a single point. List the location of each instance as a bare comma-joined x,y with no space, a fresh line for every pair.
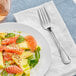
18,54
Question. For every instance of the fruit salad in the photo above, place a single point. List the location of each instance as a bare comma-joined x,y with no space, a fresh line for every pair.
18,54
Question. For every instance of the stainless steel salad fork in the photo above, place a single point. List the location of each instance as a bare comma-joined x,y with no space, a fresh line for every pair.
45,21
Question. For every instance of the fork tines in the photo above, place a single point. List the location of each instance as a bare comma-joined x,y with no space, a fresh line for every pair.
43,16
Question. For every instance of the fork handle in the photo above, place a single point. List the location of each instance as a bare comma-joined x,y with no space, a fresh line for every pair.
64,57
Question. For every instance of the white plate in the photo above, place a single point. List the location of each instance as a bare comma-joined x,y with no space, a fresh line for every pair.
45,58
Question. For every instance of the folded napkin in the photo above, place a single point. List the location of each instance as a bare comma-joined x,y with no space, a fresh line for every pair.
30,18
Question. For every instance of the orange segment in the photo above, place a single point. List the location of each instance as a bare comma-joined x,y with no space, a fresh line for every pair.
13,69
8,41
11,49
1,48
14,50
31,42
7,56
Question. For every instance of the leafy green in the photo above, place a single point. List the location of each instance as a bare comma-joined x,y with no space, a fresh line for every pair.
38,48
10,35
33,61
4,73
31,57
23,74
37,53
20,39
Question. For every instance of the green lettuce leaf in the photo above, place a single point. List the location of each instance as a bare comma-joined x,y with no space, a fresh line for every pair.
10,35
20,39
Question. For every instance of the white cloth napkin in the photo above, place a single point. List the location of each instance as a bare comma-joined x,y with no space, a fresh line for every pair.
30,18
